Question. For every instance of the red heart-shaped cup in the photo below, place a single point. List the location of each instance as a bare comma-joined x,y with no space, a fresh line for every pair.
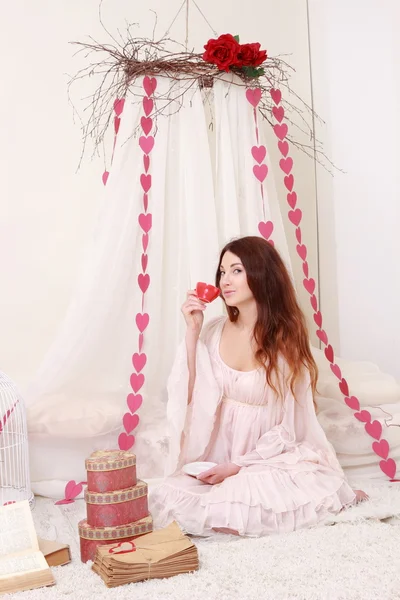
207,292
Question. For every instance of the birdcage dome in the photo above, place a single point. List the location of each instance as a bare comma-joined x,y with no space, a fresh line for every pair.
14,453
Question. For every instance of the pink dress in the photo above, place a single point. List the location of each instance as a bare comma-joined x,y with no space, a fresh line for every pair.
290,477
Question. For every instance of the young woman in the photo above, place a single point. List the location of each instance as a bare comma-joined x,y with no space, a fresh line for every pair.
241,396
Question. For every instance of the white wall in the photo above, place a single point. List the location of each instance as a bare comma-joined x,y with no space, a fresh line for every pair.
355,51
46,208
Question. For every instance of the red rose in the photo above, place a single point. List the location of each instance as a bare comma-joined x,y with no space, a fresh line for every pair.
250,55
222,52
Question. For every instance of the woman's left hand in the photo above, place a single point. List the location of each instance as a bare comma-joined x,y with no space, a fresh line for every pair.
219,473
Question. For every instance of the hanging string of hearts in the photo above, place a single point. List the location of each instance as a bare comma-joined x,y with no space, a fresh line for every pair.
134,400
373,428
119,104
260,169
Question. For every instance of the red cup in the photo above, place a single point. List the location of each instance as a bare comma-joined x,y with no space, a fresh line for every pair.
207,292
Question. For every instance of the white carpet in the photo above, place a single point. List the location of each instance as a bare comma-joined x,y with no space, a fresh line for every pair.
358,558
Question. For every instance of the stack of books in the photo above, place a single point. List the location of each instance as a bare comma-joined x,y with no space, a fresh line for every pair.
162,553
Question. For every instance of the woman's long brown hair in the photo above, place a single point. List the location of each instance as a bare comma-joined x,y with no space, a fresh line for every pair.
280,327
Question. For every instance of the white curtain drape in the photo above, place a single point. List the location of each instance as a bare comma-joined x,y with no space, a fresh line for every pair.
203,194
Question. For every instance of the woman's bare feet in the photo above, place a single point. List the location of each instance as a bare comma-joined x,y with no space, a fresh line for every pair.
360,496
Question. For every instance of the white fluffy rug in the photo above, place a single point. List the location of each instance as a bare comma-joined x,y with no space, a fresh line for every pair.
357,558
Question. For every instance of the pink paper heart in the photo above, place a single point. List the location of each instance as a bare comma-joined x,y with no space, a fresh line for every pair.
145,202
329,354
292,199
336,371
145,222
305,269
321,334
253,96
146,162
125,442
149,85
298,233
144,282
286,164
147,105
309,284
134,402
266,229
276,95
145,241
344,388
313,301
388,467
145,181
147,124
295,218
139,361
301,251
318,320
130,422
374,429
119,106
260,171
259,153
283,147
72,490
146,144
281,131
353,403
64,501
117,123
137,381
144,260
381,448
142,321
105,176
278,113
288,181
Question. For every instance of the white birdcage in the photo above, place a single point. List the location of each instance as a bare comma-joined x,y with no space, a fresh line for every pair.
14,454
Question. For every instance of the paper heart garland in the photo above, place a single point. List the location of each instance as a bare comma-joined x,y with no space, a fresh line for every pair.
134,402
253,96
125,441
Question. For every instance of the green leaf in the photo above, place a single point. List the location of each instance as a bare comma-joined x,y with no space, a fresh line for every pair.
253,72
237,38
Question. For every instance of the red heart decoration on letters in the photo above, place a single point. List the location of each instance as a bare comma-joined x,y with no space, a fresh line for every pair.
125,442
292,199
388,467
122,548
147,124
134,402
147,105
301,251
139,361
329,352
309,284
105,176
364,416
374,429
150,85
117,123
313,301
119,106
144,260
281,131
145,222
137,381
305,269
295,218
72,490
286,164
289,182
381,448
318,320
146,144
321,334
336,371
142,320
259,153
283,147
253,96
130,422
278,113
276,95
344,388
145,181
144,282
352,403
266,229
260,172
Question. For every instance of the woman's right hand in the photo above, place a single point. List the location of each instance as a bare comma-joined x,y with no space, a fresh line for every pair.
193,309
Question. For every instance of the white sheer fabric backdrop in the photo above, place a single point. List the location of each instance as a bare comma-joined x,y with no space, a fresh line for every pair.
203,194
